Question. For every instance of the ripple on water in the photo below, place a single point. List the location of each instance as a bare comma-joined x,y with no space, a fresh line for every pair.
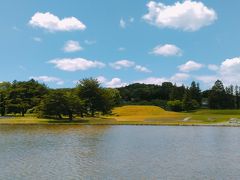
119,152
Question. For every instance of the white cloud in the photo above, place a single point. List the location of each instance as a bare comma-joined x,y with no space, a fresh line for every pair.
48,79
101,79
37,39
179,77
188,15
115,82
167,50
207,79
122,23
76,64
122,64
213,67
142,69
153,80
53,23
72,46
229,71
190,66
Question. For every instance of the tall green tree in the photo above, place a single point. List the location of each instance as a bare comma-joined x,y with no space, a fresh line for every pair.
189,103
195,92
90,91
4,90
24,95
216,98
53,104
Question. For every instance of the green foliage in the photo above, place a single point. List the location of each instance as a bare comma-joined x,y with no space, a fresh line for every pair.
177,92
53,104
195,92
97,98
220,98
4,89
23,95
189,103
175,105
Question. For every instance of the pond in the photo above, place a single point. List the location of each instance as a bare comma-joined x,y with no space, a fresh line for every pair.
119,152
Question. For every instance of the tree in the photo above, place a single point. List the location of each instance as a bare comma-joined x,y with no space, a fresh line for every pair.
24,95
53,104
189,103
216,98
195,92
109,98
61,102
4,90
90,91
175,105
237,97
74,105
177,93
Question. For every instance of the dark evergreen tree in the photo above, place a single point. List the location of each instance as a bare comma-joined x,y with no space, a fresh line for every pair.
195,92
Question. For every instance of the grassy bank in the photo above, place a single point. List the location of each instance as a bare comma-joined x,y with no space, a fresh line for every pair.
142,115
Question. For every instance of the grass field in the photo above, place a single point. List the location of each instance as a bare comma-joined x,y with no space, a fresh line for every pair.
142,115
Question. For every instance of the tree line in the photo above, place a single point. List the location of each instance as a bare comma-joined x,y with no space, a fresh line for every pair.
182,98
89,98
86,99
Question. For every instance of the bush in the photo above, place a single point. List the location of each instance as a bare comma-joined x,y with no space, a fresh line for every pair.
175,105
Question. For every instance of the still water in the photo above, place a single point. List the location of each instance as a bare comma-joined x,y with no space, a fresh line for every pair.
119,152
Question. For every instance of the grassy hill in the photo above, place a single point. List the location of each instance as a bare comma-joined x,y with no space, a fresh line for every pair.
143,113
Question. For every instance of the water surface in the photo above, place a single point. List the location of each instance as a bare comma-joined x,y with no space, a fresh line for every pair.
119,152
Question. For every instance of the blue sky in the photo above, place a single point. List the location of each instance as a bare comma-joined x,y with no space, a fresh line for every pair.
120,42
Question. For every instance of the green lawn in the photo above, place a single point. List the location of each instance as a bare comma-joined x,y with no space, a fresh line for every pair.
141,115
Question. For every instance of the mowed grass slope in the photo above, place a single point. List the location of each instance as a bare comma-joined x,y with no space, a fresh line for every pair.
143,113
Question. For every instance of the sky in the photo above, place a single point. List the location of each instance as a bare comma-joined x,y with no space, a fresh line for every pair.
120,42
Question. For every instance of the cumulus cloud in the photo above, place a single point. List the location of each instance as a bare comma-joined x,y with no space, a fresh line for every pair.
53,23
72,46
122,64
229,71
142,69
208,79
101,79
76,64
153,80
167,50
115,83
187,15
48,79
190,66
179,77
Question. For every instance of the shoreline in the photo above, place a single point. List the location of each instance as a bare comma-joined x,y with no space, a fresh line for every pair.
115,124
